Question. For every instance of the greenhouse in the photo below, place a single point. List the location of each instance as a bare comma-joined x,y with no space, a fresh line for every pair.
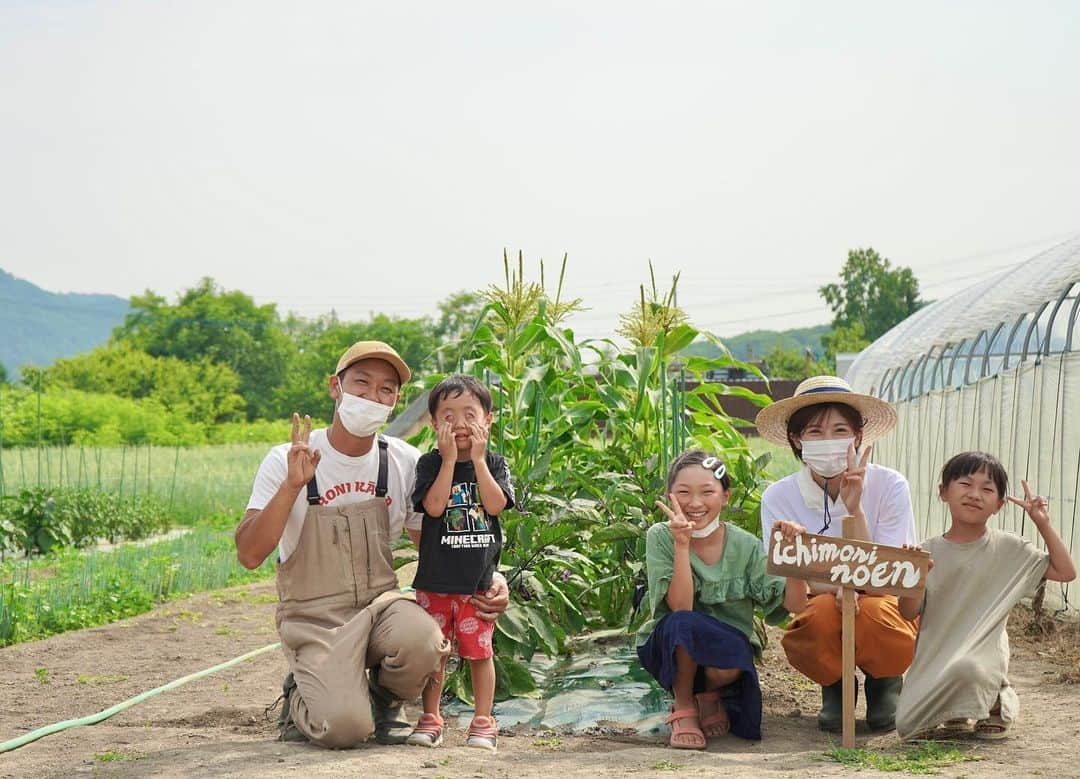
994,367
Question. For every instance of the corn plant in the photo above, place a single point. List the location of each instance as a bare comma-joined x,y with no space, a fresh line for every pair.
588,429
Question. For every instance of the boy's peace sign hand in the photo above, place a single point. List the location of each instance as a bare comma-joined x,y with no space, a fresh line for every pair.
301,460
1036,506
680,527
854,478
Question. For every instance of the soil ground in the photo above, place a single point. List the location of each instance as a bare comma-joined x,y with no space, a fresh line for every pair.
215,726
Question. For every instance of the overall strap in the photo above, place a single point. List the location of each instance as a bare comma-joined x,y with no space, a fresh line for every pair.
313,492
380,484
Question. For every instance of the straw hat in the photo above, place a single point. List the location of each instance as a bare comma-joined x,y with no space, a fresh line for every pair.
878,416
362,350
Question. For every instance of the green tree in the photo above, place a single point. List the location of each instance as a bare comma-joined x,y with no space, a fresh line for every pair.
458,314
848,338
3,374
208,323
871,293
786,363
318,343
202,391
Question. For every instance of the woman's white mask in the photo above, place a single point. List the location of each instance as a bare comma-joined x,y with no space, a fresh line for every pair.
828,457
360,416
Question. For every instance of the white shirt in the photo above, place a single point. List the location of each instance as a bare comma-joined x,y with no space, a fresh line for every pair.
342,480
886,502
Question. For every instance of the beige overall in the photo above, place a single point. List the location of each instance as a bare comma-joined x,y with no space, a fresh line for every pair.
340,613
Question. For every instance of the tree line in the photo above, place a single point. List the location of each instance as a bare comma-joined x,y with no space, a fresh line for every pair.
214,365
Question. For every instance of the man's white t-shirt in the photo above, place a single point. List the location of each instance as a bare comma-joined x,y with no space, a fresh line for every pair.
886,502
342,480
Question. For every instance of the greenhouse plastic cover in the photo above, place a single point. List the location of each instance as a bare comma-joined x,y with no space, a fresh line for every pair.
1000,298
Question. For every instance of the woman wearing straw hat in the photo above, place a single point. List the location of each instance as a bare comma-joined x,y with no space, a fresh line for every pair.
830,428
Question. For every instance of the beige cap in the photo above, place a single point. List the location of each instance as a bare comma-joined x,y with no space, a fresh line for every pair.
362,350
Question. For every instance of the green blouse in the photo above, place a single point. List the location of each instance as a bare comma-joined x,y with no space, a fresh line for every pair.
727,590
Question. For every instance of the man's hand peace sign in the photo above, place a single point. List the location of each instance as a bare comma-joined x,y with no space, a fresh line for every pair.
302,461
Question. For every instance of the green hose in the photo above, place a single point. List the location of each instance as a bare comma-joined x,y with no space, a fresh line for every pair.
93,719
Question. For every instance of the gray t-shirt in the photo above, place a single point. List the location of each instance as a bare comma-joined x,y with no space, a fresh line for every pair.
962,655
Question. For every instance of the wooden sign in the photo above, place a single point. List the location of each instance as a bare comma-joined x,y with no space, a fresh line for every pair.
852,565
845,562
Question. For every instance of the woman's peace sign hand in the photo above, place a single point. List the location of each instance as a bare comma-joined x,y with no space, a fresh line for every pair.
788,529
678,524
854,478
302,461
1036,506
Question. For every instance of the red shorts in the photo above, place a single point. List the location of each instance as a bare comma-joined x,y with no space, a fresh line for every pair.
458,620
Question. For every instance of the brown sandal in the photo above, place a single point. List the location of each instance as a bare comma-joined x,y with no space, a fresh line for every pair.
676,719
992,728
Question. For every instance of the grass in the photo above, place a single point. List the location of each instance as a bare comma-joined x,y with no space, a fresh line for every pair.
667,765
117,756
925,758
193,482
784,462
72,590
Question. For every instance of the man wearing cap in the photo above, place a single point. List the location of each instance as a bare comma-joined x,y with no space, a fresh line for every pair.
331,503
830,428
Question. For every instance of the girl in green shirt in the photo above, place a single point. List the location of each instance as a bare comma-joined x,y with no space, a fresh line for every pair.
705,579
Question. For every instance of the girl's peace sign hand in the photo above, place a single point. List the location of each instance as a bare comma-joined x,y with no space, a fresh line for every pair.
302,461
680,527
1036,506
854,478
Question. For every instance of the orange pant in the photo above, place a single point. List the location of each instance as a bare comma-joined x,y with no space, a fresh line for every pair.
884,640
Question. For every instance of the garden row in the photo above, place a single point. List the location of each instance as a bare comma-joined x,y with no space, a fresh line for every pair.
71,589
39,520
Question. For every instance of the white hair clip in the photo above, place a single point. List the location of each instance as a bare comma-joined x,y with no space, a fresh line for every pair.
709,462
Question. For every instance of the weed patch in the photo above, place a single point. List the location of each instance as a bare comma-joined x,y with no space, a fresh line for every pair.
925,758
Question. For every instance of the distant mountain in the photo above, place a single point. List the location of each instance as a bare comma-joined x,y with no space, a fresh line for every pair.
37,326
758,343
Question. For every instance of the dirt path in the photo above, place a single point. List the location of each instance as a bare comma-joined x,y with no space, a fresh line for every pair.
215,726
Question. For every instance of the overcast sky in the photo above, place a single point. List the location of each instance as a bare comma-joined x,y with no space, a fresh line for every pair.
379,156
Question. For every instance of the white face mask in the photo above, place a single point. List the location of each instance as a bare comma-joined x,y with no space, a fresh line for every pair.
708,530
360,416
827,458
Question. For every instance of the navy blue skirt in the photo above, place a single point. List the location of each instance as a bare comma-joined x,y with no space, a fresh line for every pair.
711,644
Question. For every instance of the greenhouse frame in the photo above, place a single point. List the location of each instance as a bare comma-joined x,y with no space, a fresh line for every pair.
995,367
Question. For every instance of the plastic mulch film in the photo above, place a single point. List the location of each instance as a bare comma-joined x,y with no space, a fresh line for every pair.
599,687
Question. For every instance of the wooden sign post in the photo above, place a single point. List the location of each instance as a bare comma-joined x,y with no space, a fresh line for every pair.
847,643
852,565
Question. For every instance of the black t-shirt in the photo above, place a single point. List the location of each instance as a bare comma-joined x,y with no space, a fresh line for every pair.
460,549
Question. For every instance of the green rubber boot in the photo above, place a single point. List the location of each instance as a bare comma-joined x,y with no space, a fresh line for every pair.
831,716
391,726
882,695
